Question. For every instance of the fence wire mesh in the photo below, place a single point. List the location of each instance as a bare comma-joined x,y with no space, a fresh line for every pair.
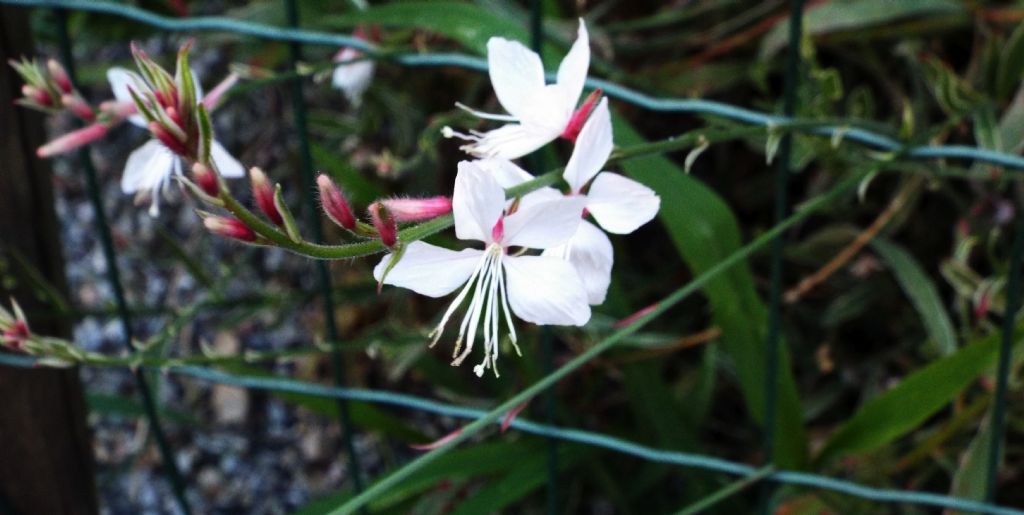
871,138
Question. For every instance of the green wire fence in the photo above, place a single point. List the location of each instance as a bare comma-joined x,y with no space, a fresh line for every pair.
748,475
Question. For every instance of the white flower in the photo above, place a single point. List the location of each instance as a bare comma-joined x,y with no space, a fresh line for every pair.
618,204
538,289
540,112
352,78
150,167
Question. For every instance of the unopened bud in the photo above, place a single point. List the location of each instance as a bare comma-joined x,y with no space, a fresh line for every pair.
37,95
206,179
334,203
169,140
229,228
59,76
78,107
118,110
72,140
417,209
263,192
579,118
15,335
385,224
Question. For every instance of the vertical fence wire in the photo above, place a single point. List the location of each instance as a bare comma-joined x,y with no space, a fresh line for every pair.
771,387
547,337
1013,300
322,270
114,279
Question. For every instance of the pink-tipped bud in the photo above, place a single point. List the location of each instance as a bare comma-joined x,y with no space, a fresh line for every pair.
575,125
169,140
36,95
212,99
263,192
78,107
174,115
334,203
72,140
229,228
206,179
59,76
385,224
498,231
16,334
417,209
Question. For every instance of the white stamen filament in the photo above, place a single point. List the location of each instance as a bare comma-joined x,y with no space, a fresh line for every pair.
486,116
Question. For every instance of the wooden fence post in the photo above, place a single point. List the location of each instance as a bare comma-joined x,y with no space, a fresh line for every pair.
46,461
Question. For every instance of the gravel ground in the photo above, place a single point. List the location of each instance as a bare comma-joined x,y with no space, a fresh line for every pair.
244,452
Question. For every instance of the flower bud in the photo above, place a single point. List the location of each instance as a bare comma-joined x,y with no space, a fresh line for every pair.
78,107
72,140
263,192
385,224
59,76
206,179
229,227
37,95
572,130
334,203
16,334
169,140
417,209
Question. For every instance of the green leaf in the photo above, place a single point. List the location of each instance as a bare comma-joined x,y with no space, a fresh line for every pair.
117,405
827,17
918,397
1011,64
970,479
466,23
922,292
705,231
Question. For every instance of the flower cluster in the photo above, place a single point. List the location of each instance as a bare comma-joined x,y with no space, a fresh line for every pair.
573,268
542,259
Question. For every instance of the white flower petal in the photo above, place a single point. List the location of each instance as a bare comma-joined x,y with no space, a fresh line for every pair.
226,165
428,269
619,204
517,74
545,291
353,78
147,167
507,173
511,141
477,202
589,251
572,72
593,146
120,79
544,224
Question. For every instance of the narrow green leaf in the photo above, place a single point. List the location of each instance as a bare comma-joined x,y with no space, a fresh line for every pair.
970,479
705,231
919,396
922,292
1011,64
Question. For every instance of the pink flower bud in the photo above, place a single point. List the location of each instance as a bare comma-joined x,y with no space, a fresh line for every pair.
36,95
174,115
118,110
229,228
206,179
72,140
59,76
334,203
572,130
385,224
16,334
169,140
78,107
417,209
263,192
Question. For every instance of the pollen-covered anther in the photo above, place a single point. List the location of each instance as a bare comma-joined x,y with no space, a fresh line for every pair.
229,228
580,116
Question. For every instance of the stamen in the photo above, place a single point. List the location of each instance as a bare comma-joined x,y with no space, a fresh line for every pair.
439,330
486,116
472,320
502,292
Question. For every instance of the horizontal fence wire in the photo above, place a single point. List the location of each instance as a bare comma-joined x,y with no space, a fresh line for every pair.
859,135
611,443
